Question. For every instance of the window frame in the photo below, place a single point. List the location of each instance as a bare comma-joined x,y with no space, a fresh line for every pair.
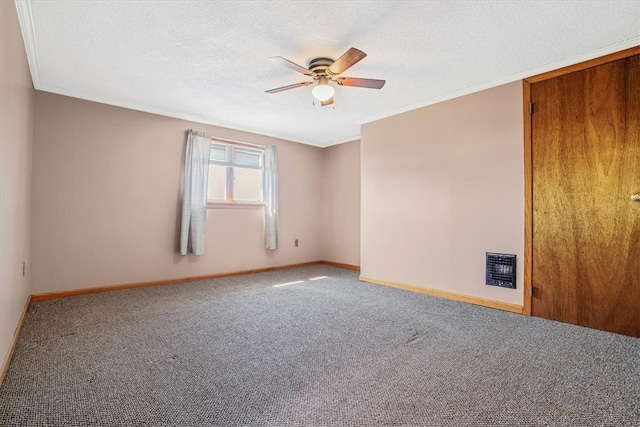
230,148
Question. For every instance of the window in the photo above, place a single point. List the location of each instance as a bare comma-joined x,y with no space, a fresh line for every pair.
235,175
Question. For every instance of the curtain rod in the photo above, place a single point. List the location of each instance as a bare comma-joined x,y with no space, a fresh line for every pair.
231,141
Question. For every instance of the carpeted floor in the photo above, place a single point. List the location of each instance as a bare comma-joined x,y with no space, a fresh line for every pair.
326,352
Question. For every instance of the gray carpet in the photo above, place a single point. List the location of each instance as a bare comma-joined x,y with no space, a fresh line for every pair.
327,352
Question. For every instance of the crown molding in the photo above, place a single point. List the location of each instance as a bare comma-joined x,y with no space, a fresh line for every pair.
512,78
25,17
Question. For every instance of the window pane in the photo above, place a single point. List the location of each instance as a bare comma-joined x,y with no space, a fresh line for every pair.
217,189
247,185
247,157
218,153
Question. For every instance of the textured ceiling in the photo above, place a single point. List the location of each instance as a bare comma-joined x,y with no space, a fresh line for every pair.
207,61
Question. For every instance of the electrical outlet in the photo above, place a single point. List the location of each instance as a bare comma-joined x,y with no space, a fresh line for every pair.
296,243
24,268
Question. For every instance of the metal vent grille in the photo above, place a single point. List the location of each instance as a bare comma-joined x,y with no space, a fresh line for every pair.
501,270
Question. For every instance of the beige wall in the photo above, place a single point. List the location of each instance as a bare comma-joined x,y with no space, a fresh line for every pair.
16,143
106,200
341,203
441,186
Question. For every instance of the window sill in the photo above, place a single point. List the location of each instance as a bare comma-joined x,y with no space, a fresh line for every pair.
223,205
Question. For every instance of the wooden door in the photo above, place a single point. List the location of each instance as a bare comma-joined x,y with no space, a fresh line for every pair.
586,227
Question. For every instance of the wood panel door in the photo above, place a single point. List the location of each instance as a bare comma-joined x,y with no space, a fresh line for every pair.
586,227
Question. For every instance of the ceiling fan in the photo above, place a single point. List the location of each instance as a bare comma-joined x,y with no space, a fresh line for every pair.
324,70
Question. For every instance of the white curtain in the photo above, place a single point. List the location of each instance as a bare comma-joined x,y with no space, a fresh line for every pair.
194,194
270,182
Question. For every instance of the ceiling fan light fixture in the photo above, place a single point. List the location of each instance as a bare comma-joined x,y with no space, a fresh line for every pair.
323,70
322,91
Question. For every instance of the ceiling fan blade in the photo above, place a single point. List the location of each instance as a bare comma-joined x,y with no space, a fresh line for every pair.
293,86
357,82
291,65
327,102
347,60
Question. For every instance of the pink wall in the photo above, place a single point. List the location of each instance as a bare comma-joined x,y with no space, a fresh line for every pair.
441,186
341,203
16,143
106,200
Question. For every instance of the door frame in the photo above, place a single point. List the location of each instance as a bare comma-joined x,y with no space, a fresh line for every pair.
528,158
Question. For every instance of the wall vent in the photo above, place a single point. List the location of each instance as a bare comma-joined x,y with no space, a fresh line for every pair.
501,270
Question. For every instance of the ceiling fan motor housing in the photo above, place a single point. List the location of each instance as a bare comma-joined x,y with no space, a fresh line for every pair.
320,66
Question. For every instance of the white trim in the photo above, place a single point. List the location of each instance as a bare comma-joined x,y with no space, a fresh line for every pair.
343,141
151,110
512,78
216,204
25,17
230,164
